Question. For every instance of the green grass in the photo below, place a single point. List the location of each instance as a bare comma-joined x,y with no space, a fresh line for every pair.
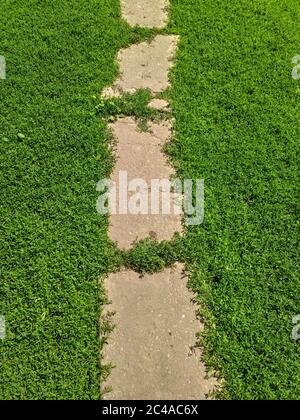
53,151
237,126
132,105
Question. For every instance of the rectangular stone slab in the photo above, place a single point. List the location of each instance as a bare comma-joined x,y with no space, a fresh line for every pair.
153,343
146,13
140,154
144,66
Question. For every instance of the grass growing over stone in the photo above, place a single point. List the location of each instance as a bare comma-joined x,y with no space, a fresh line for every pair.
149,256
134,105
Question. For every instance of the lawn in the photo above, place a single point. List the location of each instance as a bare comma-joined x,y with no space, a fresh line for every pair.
237,126
54,150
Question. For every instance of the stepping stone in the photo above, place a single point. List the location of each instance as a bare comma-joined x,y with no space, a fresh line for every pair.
146,13
144,66
153,344
2,328
2,67
140,154
159,104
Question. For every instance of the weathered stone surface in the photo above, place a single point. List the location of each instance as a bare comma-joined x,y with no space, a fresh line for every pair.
2,67
146,13
144,66
140,154
159,104
153,344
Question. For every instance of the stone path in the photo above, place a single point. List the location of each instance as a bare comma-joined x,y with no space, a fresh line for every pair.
140,154
147,13
144,66
153,345
2,67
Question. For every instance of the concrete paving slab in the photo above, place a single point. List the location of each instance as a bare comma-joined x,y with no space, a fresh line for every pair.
153,344
146,13
144,66
140,155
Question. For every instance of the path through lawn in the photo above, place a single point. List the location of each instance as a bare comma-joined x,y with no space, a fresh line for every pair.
237,126
156,326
